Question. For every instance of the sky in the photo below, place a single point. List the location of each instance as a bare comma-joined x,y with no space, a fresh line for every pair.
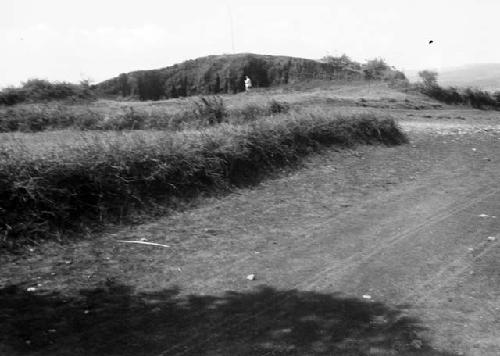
73,40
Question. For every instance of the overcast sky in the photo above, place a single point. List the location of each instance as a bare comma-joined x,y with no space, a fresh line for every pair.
97,39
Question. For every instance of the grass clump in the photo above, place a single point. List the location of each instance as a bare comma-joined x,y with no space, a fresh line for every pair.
249,112
101,180
277,107
255,111
210,110
128,119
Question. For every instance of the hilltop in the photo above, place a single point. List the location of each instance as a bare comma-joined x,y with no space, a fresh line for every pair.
225,74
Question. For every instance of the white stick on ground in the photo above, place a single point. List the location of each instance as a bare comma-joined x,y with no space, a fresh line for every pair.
143,243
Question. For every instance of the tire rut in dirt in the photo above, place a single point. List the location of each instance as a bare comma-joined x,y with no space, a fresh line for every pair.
471,199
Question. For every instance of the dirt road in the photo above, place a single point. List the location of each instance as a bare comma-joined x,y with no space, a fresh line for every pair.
378,251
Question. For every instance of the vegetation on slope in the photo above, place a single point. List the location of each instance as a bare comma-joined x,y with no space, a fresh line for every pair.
39,90
226,73
95,181
196,113
203,76
475,98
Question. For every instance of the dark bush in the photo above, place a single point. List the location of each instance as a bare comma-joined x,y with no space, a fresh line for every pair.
276,107
478,99
38,90
448,96
211,110
12,96
496,95
473,97
253,111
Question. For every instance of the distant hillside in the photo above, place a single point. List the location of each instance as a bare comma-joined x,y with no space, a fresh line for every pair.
482,76
226,74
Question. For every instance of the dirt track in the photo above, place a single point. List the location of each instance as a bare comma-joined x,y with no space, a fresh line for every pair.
399,224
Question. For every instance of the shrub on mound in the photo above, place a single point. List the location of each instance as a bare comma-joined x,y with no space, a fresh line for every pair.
94,183
40,90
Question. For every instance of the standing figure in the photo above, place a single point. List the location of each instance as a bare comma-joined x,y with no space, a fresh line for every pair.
248,83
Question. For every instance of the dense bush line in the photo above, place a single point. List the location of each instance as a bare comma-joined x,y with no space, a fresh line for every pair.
94,183
38,90
204,112
475,98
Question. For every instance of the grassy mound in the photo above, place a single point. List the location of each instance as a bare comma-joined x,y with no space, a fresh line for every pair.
46,192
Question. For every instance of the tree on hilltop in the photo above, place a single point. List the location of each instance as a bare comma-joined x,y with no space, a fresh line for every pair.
429,78
342,62
375,68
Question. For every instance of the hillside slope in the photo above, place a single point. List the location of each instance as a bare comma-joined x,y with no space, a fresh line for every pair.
224,74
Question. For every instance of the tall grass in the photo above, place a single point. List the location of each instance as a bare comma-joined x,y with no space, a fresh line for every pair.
95,181
197,113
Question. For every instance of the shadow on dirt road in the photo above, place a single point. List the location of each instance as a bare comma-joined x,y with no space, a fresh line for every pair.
114,320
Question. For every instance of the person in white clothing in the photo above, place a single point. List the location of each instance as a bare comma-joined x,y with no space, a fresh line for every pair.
248,83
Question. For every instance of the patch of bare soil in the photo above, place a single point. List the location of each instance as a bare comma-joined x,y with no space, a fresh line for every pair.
373,251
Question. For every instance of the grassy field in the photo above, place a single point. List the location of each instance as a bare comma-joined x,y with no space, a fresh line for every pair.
395,223
366,249
194,113
87,165
57,181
